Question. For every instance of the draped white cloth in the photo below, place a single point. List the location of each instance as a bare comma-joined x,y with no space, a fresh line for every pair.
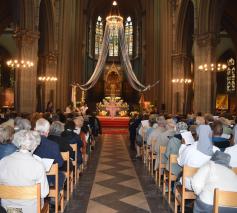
135,83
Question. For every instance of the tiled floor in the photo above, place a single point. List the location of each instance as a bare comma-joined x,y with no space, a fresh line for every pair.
115,183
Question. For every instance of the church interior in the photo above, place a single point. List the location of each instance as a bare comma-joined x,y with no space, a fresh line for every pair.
118,106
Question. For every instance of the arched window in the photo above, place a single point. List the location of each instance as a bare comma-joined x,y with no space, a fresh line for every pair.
113,42
98,36
129,34
231,76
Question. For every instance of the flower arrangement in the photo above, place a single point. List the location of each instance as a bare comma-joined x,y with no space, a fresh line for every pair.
133,113
123,113
103,113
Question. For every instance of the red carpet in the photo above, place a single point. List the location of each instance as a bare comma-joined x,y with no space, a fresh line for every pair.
114,131
116,125
114,122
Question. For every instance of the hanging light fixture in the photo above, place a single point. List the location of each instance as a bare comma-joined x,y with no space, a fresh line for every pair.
14,63
114,19
219,67
47,78
182,81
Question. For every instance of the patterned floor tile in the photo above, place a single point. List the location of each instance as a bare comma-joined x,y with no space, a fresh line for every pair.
98,191
94,207
137,200
116,186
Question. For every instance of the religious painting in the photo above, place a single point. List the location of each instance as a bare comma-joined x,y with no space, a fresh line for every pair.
222,102
113,81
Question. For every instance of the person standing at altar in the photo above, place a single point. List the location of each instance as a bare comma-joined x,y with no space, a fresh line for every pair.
49,107
70,108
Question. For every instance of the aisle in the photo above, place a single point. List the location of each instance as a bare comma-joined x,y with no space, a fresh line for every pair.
116,187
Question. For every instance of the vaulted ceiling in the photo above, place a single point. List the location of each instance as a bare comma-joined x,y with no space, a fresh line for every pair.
229,19
5,14
103,7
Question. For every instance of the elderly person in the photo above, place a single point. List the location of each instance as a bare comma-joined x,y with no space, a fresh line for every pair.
55,132
158,129
173,147
70,137
232,150
215,174
6,146
152,125
49,149
226,125
22,124
163,139
22,169
217,138
198,153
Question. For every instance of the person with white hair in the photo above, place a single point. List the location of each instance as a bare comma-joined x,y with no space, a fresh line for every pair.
6,146
163,139
173,147
22,169
158,129
49,149
22,124
55,132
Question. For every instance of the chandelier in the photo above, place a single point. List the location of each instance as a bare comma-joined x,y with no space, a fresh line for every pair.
114,19
212,67
14,63
47,78
182,80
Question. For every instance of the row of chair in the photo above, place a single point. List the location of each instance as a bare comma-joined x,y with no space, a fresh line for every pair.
33,192
221,198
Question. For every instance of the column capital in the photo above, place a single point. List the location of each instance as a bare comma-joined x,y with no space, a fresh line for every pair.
180,57
51,58
26,37
207,39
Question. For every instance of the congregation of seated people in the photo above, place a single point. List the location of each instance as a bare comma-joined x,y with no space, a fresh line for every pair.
26,140
212,154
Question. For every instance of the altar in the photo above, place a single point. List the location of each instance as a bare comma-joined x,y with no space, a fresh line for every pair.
112,107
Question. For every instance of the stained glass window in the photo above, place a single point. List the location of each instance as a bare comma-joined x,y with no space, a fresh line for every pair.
231,76
129,35
113,42
98,36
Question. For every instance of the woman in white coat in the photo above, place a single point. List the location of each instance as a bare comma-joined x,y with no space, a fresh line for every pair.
215,174
22,169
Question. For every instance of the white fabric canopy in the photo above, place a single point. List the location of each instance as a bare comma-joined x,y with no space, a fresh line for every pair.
134,82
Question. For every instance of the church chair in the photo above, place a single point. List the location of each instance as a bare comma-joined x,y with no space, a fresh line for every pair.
181,193
143,148
161,166
68,174
24,193
74,162
224,199
234,170
169,177
54,190
151,158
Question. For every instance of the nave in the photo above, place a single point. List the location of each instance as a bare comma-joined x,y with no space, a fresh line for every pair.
115,182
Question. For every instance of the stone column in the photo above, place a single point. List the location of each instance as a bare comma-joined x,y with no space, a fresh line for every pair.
204,82
181,66
27,43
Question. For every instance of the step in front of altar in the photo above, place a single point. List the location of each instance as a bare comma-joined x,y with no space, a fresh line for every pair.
114,122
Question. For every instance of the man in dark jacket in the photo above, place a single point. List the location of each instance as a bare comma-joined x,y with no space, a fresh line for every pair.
49,149
70,137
